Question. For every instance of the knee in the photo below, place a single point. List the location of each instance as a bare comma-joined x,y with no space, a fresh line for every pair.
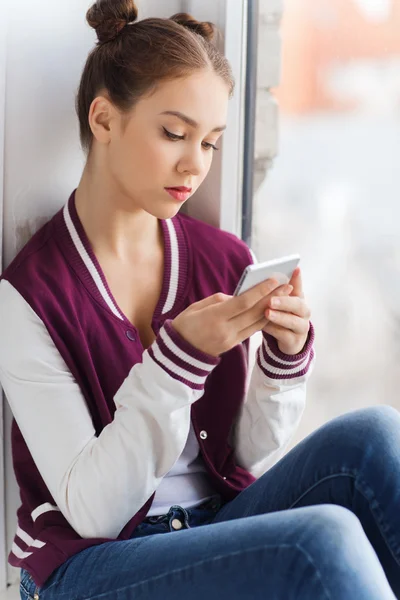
335,531
334,518
341,553
378,415
375,425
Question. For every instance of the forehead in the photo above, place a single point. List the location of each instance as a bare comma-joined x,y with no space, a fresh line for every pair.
203,96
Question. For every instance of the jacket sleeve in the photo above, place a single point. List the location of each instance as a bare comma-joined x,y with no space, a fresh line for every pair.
98,482
274,403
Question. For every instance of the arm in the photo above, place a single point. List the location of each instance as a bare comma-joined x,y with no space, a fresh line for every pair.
274,404
276,396
98,482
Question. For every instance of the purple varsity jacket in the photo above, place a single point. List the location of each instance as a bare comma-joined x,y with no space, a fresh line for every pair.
59,277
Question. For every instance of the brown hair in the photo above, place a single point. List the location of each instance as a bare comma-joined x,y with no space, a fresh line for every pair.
131,58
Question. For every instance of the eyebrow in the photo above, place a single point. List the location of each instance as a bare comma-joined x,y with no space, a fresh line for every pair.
188,120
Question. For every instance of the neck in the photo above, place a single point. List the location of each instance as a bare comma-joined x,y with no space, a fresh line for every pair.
112,225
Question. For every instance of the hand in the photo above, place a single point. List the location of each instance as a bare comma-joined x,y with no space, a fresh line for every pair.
289,318
219,322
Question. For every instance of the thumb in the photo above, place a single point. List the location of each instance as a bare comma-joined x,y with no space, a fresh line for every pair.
210,300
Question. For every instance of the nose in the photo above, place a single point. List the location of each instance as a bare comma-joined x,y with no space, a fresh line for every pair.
192,162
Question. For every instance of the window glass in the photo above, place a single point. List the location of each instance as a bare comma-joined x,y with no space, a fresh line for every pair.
333,193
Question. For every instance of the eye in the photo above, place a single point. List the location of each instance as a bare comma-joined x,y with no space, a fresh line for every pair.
208,146
173,136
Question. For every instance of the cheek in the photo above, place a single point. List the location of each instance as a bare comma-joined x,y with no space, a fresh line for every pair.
207,165
162,154
136,159
151,155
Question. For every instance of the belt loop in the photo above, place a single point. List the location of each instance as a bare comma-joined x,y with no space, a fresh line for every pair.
186,517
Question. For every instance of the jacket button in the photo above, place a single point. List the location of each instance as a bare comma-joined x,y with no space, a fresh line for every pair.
203,435
130,335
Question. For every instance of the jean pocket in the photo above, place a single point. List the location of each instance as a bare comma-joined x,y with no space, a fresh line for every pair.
28,588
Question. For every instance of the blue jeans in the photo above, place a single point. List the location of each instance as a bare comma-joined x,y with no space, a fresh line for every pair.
323,523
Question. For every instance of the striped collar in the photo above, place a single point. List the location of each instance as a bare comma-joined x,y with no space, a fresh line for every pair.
72,237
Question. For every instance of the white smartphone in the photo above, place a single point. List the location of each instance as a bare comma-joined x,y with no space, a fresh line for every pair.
280,269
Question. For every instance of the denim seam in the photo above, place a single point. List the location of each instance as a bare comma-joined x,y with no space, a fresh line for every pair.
382,526
376,518
318,483
214,559
308,556
26,591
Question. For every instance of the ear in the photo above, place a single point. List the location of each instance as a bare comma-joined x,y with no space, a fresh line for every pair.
101,116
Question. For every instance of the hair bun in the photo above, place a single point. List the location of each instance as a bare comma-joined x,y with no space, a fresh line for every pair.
205,28
109,17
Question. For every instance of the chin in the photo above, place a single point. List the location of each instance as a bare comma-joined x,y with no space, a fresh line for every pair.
167,211
172,212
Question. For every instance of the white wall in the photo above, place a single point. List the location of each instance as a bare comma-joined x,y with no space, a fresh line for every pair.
45,54
3,39
46,51
43,160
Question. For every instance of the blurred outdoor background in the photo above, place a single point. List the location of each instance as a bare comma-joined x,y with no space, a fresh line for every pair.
333,194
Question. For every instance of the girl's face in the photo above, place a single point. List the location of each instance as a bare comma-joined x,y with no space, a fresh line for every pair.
154,149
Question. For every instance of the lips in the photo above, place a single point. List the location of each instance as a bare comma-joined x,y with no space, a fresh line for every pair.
179,193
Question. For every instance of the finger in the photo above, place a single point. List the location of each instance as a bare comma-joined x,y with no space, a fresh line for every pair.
210,301
291,304
296,324
284,290
252,329
246,301
252,315
281,292
297,283
281,334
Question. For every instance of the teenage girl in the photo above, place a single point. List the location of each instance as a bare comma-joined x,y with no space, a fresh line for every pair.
124,357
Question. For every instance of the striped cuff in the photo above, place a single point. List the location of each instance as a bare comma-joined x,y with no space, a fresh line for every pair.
180,359
277,365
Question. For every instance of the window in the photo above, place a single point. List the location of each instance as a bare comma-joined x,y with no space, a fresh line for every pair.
333,193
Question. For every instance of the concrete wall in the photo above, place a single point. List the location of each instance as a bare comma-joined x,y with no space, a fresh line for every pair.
269,66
